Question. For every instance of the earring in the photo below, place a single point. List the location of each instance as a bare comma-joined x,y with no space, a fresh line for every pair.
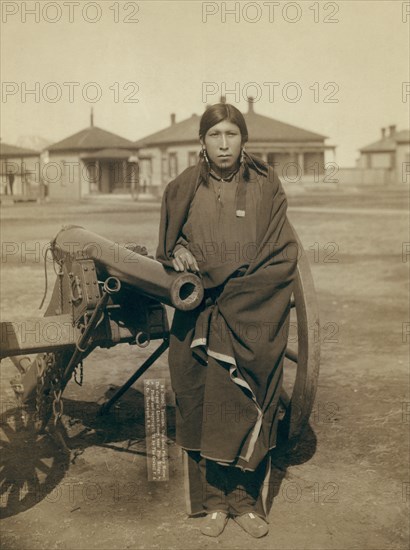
242,155
205,155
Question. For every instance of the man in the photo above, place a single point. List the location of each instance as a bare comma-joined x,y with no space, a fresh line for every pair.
226,219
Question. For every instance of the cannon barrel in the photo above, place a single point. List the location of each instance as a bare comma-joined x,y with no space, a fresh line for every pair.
183,291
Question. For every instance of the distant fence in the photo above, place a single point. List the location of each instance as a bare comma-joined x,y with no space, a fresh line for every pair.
366,176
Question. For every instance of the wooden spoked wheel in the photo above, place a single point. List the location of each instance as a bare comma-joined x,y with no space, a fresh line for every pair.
31,465
302,359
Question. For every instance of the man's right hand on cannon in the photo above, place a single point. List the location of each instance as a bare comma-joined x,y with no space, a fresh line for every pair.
184,260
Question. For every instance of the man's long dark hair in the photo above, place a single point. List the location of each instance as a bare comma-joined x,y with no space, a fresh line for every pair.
216,114
219,112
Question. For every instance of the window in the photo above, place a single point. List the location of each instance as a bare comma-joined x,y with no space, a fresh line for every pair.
164,168
173,165
368,161
271,159
92,174
192,158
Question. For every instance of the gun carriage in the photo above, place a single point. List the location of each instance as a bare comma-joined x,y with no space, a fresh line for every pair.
106,295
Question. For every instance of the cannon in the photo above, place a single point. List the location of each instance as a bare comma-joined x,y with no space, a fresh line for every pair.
106,294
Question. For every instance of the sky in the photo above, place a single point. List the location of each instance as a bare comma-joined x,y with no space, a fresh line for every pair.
336,68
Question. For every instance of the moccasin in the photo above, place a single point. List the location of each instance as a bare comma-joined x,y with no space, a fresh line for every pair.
214,524
252,524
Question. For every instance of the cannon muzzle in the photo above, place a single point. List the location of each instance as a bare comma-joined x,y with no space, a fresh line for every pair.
183,291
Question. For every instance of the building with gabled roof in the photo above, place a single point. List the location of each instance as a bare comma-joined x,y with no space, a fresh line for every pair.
19,171
13,151
391,154
295,153
90,162
387,143
91,138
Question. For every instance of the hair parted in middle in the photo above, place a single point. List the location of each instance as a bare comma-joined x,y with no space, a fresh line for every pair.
214,115
219,112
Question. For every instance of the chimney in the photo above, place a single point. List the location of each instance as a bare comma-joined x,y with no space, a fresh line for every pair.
172,119
392,129
251,102
383,133
92,118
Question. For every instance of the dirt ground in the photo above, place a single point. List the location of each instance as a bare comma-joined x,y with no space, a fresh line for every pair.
346,486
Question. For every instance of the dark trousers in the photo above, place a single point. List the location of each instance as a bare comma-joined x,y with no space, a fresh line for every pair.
228,488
